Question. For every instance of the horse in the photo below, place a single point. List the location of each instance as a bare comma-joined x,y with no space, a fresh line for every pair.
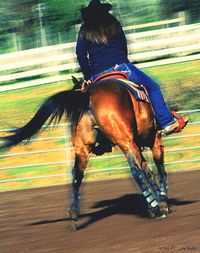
109,110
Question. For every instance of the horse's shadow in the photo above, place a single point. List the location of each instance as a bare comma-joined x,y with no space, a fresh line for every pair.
131,204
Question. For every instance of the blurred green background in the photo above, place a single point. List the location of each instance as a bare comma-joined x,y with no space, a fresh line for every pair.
23,21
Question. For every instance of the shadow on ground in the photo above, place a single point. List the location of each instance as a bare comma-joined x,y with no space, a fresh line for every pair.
131,204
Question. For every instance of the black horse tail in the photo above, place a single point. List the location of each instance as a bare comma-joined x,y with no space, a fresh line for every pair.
72,102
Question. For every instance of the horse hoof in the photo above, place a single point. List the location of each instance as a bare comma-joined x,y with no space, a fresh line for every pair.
164,208
73,214
72,227
157,213
157,216
161,216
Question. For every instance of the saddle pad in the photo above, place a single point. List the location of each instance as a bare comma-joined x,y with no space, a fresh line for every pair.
139,91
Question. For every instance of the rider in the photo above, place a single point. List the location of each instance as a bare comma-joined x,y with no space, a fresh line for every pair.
102,47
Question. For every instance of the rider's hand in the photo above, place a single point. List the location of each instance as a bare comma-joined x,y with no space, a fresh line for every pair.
84,84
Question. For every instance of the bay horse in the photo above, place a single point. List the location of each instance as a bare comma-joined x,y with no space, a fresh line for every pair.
121,120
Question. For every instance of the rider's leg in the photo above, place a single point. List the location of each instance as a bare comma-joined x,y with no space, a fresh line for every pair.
162,114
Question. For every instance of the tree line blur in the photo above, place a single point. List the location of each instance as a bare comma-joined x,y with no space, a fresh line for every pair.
26,24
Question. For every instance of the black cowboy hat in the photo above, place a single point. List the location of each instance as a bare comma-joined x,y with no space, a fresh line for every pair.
95,9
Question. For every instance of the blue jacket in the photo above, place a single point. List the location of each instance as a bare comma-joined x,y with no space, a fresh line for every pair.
94,58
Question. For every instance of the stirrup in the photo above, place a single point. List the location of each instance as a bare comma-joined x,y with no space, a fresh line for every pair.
175,129
181,122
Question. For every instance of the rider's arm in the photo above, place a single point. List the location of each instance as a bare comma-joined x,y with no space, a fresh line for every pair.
82,56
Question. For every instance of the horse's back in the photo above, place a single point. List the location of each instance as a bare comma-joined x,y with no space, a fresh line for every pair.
110,98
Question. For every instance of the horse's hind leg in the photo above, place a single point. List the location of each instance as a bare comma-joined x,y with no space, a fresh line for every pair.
80,164
134,159
77,177
140,178
150,177
158,156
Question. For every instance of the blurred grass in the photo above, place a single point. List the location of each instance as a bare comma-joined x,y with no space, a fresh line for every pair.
17,107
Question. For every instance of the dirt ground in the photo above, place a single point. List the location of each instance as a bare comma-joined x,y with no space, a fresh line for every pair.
113,219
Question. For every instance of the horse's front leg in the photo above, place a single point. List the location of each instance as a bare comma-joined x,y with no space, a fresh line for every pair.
158,156
83,137
77,177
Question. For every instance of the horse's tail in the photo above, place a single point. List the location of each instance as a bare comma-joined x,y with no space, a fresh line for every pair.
71,102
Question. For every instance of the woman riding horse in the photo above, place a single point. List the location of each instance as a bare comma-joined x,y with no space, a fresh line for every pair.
102,47
127,123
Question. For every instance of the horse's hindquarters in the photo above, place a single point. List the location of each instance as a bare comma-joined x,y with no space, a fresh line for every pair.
113,110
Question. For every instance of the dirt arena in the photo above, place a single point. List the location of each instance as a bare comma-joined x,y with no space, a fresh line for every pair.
113,219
